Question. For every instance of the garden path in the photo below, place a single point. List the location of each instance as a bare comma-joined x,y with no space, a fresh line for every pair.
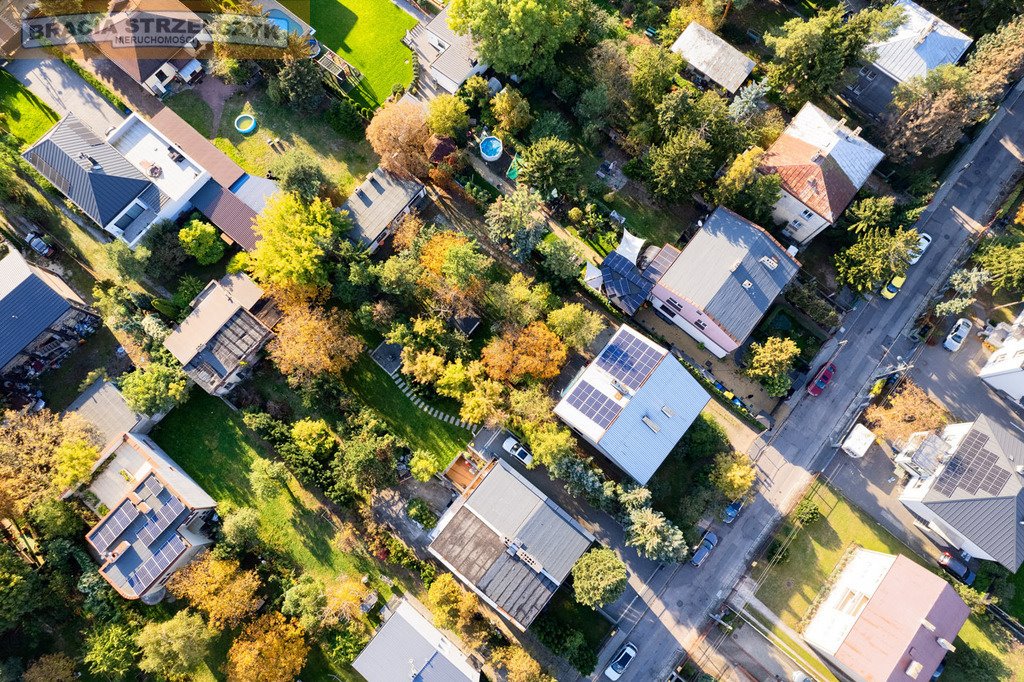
215,92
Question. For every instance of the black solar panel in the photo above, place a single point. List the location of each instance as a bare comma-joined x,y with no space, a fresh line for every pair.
629,359
146,574
166,516
974,468
111,530
594,405
623,282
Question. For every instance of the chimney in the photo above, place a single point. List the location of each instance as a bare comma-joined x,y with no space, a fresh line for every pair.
856,131
927,625
944,643
651,424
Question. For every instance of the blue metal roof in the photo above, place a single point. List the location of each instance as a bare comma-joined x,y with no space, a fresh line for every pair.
27,306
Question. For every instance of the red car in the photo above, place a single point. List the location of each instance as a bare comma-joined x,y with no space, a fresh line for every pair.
820,380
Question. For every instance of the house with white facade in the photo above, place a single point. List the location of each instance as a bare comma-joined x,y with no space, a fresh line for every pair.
885,617
633,403
449,57
822,165
1004,369
967,485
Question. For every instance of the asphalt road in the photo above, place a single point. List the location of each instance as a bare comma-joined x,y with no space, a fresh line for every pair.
874,334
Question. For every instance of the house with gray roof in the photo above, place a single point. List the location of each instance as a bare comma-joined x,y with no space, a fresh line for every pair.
41,318
378,206
509,543
153,517
447,56
220,339
633,403
103,406
712,58
967,485
722,283
408,647
921,43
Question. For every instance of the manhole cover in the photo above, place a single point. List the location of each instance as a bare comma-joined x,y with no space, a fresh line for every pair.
679,602
789,583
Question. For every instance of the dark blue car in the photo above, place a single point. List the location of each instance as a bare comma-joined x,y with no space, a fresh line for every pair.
732,511
703,551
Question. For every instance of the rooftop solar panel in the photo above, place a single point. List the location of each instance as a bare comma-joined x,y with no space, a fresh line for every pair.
593,404
165,517
146,574
629,359
624,283
108,533
974,468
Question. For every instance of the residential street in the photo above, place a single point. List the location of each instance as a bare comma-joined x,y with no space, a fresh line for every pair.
873,335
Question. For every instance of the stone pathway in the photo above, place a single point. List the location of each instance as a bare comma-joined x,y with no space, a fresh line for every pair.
432,411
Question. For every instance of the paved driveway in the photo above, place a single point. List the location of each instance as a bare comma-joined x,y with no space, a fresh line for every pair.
52,81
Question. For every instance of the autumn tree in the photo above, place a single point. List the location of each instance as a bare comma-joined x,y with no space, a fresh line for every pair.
598,577
770,363
447,115
998,59
295,238
313,341
550,165
51,668
680,165
517,36
575,325
423,465
398,134
174,648
549,442
747,191
908,410
517,218
534,352
521,300
270,649
530,405
519,666
734,474
451,605
202,241
218,588
110,650
343,598
876,257
512,112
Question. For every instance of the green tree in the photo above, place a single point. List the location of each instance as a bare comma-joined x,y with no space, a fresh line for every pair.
451,605
575,325
517,219
681,165
998,58
127,263
242,529
110,650
423,465
549,442
654,536
519,301
871,214
53,519
75,459
512,112
366,458
51,668
268,477
807,512
20,589
598,577
299,82
465,265
550,164
561,262
931,112
749,100
653,70
202,241
811,55
297,171
967,282
517,36
770,363
174,648
747,191
447,115
734,474
1003,259
306,601
975,599
876,257
154,388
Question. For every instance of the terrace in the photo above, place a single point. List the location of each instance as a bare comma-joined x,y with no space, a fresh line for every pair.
157,159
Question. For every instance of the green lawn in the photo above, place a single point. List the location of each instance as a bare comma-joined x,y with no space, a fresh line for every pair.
792,585
196,112
25,115
60,386
367,34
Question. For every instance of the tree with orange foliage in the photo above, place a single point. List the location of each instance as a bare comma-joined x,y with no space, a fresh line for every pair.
311,341
270,649
534,352
398,133
908,411
218,588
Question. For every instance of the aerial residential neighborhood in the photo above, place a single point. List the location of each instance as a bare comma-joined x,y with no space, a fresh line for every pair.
443,340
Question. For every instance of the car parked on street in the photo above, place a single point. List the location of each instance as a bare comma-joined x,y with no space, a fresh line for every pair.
893,287
922,245
819,382
703,551
513,447
621,661
958,335
732,511
957,567
38,245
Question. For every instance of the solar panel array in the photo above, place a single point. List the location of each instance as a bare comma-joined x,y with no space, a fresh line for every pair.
165,517
661,263
594,405
630,359
146,574
623,282
115,524
974,468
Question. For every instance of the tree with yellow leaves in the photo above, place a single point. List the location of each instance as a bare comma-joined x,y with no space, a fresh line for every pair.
734,474
311,341
343,599
218,588
908,410
270,649
534,352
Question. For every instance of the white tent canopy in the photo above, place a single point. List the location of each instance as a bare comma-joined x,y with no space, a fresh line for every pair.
630,246
593,278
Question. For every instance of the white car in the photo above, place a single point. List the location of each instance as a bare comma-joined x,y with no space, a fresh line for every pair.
621,661
922,245
956,338
516,449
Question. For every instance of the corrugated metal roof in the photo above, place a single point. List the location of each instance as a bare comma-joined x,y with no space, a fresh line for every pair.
28,306
377,202
922,42
103,406
227,212
726,271
713,56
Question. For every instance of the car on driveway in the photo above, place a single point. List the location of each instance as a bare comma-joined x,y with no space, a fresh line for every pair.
732,511
893,287
922,245
703,551
958,335
38,245
621,661
957,567
821,379
513,447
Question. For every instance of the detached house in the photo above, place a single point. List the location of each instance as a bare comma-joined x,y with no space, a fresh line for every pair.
822,165
450,58
153,517
1004,369
379,205
633,403
921,43
884,617
220,339
967,485
712,58
508,543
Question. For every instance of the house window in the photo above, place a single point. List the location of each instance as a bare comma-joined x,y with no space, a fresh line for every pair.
795,224
700,324
133,212
807,213
668,311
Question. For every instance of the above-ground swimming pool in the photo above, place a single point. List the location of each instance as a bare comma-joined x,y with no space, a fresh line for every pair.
245,123
491,148
286,24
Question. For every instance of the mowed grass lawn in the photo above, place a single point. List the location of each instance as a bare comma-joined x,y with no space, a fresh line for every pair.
367,34
26,116
792,585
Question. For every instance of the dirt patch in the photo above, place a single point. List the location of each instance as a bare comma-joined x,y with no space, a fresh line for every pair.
215,92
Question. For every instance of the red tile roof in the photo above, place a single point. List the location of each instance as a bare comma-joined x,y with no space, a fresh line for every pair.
816,180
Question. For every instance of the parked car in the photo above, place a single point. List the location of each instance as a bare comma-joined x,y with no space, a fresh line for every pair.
892,288
38,245
821,379
957,567
958,335
513,447
732,511
621,661
938,671
703,551
800,676
922,245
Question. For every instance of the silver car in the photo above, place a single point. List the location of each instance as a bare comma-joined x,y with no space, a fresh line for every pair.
516,449
621,661
957,337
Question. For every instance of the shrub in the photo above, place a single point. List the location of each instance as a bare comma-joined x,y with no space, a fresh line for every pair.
344,119
567,643
202,241
806,512
421,513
